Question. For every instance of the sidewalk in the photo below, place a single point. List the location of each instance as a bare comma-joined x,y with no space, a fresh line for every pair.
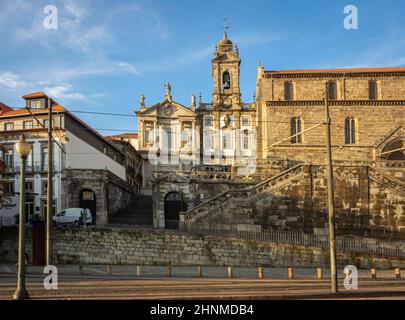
125,271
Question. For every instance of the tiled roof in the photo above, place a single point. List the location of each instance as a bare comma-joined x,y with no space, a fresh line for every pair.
35,95
123,136
23,111
4,108
348,70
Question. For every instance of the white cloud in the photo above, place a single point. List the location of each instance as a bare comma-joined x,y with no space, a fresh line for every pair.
127,67
65,92
11,80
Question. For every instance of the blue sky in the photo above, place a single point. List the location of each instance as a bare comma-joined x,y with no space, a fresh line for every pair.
105,53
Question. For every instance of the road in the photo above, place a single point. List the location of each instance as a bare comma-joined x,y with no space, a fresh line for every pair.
96,284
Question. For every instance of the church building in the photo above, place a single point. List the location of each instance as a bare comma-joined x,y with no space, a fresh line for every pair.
261,164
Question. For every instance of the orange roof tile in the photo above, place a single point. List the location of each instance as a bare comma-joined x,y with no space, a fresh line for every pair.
23,111
4,108
122,136
34,95
343,70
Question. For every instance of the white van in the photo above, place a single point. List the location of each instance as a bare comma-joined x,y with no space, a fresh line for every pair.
73,216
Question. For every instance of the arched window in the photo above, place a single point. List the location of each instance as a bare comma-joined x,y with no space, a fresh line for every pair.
350,131
296,129
373,90
332,90
226,80
394,151
288,91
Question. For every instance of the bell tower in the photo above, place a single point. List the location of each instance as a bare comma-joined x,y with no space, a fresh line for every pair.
225,75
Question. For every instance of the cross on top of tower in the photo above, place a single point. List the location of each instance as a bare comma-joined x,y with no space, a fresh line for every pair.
225,26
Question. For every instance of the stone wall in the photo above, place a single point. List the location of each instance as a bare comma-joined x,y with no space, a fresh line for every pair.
349,87
374,124
114,246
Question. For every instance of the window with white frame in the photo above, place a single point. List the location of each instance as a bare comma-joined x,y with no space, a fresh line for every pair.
186,134
9,126
27,125
227,140
35,104
9,159
209,139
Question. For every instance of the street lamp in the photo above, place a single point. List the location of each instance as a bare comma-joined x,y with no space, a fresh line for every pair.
23,150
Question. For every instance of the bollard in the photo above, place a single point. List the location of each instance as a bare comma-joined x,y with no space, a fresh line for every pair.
261,272
81,269
109,269
373,273
139,271
199,272
290,273
230,272
319,274
398,273
169,271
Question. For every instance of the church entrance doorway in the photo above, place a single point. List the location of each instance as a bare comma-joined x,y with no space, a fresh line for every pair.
174,204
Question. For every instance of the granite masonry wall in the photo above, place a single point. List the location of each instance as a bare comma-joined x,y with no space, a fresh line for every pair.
136,247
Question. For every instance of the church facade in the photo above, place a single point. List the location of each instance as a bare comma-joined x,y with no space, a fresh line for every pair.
261,164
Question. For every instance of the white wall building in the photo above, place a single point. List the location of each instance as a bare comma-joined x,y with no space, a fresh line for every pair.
78,147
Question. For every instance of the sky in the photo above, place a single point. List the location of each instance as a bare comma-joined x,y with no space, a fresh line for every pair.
106,53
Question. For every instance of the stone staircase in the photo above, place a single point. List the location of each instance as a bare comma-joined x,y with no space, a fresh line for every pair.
250,195
216,205
389,182
138,212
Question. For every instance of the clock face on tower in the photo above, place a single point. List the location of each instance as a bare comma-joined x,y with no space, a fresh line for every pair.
227,102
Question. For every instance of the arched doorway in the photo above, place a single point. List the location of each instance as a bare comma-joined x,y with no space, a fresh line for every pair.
88,201
398,152
174,204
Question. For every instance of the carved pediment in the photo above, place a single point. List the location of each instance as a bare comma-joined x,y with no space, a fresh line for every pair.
166,109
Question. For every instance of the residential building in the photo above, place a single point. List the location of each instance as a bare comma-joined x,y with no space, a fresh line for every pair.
88,170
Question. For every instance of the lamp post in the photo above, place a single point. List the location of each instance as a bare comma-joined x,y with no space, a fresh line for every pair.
23,150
